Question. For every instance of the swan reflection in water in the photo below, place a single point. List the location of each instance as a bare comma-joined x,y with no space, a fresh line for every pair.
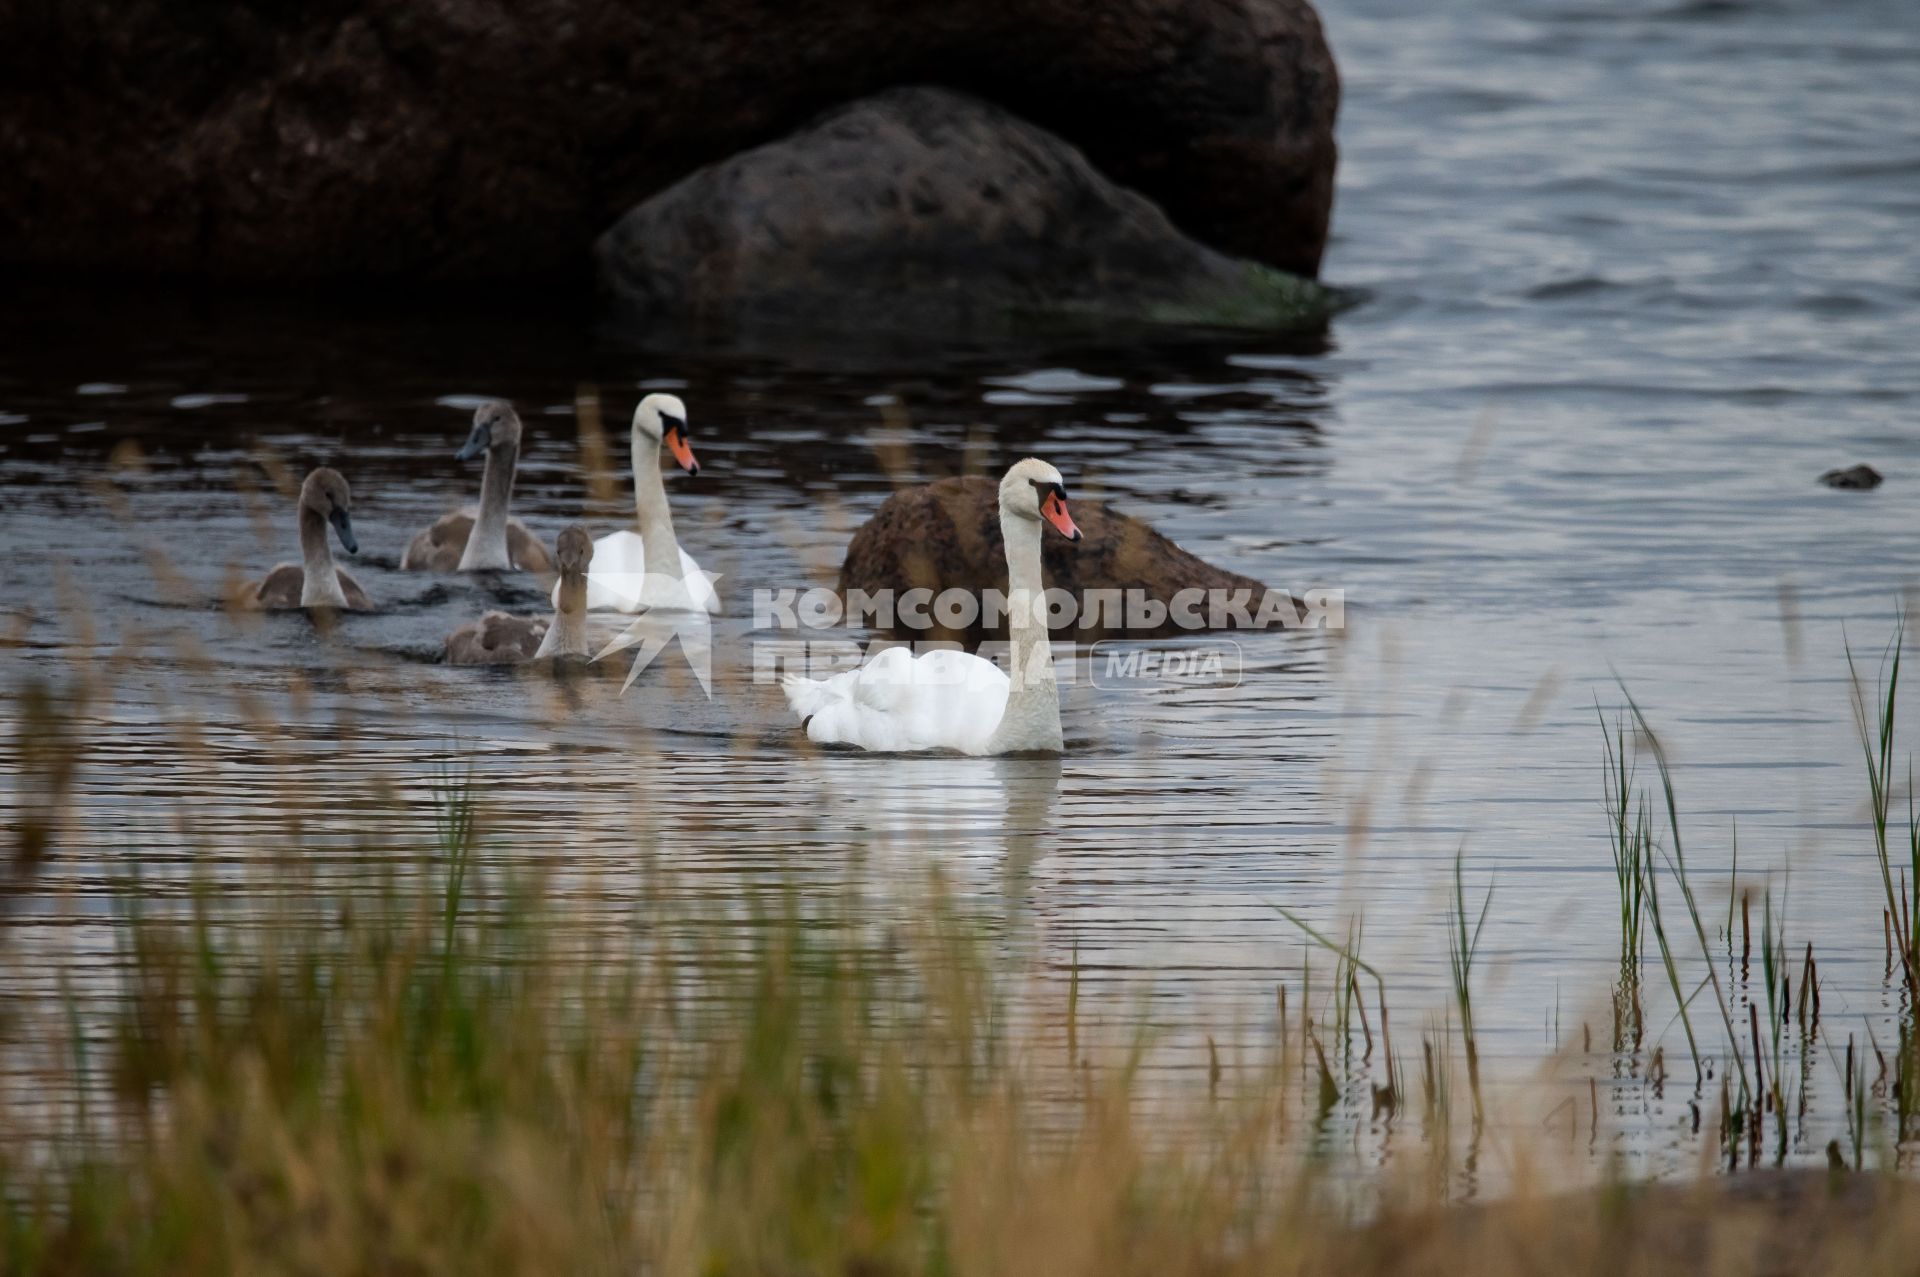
958,811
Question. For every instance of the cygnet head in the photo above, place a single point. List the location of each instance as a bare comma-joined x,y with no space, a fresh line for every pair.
573,551
1034,490
327,495
495,425
662,418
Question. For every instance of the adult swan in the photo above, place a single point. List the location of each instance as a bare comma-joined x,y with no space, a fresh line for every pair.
638,571
944,699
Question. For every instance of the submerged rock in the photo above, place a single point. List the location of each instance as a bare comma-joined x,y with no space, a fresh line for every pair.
1858,478
922,207
946,535
467,139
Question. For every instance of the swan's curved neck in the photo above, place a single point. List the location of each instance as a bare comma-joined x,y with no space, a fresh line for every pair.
659,549
567,636
487,543
1032,717
320,580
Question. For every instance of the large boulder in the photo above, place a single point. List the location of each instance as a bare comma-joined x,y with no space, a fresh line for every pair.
923,208
472,139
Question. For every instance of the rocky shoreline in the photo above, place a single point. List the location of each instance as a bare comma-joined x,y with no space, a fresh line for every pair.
450,141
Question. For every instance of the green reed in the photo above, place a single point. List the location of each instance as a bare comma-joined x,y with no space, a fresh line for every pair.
1874,719
1630,832
1436,1079
1681,998
1854,1090
1675,857
1349,967
1463,948
1630,836
1769,1066
1906,1079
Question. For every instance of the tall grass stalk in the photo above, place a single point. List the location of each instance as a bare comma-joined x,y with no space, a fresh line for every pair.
1349,957
1677,864
1853,1082
1681,998
1463,947
1629,835
1874,719
1773,964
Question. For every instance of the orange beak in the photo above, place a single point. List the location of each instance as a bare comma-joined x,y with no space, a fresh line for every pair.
1054,508
682,451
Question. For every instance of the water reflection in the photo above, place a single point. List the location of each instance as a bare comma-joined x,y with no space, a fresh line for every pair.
995,811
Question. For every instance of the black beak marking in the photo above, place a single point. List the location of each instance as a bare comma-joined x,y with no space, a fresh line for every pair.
671,426
343,527
1043,490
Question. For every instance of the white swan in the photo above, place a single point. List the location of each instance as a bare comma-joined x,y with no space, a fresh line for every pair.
635,571
945,699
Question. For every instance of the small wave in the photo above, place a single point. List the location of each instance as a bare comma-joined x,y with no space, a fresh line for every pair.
1056,381
1021,399
1837,304
1577,286
1692,9
1468,100
1686,11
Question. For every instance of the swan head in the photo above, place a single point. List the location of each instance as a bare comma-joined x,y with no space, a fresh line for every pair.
326,494
495,425
573,551
662,418
1034,490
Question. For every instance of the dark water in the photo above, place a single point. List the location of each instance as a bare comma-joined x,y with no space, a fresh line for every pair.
1633,276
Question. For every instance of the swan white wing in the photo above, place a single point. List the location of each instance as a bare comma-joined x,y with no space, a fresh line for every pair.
616,574
699,584
899,703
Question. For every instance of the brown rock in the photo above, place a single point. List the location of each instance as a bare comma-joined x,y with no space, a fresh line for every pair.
946,535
